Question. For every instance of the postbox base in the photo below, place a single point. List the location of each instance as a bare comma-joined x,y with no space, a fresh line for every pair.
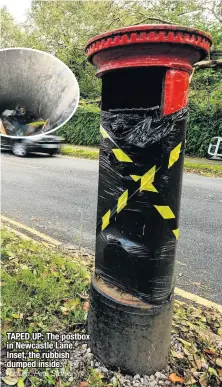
127,333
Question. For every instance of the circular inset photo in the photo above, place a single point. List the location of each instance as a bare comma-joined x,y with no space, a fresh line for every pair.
38,92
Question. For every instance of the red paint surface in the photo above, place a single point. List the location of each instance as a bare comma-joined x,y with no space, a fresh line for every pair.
175,91
126,57
150,34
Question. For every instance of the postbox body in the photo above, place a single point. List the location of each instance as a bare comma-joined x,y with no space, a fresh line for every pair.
145,73
139,202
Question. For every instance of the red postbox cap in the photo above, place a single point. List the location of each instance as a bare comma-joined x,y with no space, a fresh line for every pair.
166,45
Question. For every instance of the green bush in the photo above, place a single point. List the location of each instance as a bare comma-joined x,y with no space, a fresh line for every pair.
83,128
205,111
204,123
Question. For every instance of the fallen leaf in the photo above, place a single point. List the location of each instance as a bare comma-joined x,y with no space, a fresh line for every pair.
10,372
24,267
64,311
175,378
10,381
83,384
178,302
58,383
69,306
209,336
19,372
85,306
197,375
187,352
198,363
190,380
203,380
11,256
212,371
55,274
15,315
7,326
178,355
21,383
210,351
83,296
219,362
184,329
24,373
184,342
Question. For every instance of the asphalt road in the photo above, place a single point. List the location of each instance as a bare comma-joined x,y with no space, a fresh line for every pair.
58,196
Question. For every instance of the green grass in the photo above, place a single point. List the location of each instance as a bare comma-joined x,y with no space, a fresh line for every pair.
45,290
40,288
81,152
203,167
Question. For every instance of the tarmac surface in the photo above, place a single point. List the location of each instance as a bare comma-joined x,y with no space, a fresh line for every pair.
58,196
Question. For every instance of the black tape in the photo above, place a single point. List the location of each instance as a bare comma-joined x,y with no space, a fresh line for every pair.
136,249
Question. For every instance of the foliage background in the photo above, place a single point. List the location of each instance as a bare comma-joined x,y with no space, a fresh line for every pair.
63,28
83,128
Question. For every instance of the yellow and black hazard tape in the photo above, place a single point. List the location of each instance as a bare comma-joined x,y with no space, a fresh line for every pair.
146,184
122,202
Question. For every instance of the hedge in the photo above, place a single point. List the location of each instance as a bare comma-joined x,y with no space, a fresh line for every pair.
83,128
204,122
205,111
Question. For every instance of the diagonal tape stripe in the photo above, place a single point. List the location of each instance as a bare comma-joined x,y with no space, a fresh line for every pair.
174,155
176,233
165,212
104,132
135,177
147,179
122,201
121,156
106,220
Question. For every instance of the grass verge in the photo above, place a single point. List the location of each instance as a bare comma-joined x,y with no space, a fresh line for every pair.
203,167
45,290
193,165
81,152
41,288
